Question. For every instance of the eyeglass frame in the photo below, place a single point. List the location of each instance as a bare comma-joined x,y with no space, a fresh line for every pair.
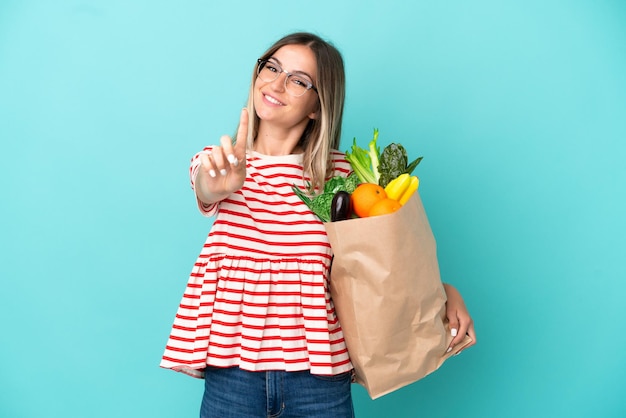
261,63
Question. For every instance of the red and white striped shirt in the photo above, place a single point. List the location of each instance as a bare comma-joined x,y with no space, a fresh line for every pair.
258,295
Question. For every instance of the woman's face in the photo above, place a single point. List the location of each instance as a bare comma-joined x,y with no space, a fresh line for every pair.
274,104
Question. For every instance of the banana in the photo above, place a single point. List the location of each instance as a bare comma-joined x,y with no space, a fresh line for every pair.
408,192
398,186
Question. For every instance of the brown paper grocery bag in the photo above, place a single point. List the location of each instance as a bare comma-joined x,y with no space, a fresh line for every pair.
389,298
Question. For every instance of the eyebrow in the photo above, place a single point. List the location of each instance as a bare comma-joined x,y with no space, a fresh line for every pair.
272,58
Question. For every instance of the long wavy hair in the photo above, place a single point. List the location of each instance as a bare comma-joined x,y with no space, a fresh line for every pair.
322,134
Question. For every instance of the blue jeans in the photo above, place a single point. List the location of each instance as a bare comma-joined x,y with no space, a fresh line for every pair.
235,393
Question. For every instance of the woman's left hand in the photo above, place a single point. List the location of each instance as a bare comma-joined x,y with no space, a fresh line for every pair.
461,322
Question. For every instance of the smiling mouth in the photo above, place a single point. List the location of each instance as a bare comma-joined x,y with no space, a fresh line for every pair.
273,100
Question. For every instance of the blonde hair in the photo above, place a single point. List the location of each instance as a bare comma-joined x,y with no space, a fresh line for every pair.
322,134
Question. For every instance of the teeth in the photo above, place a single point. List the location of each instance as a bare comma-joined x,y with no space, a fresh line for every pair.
272,100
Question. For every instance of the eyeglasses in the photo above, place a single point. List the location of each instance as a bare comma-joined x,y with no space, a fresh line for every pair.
295,84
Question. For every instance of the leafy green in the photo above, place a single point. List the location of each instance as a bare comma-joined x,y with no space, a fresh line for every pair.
352,181
321,204
393,162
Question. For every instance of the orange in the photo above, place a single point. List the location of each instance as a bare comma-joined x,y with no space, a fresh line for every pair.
365,196
384,207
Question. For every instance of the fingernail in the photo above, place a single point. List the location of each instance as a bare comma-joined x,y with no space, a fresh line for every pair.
449,349
233,160
223,171
212,173
458,353
453,332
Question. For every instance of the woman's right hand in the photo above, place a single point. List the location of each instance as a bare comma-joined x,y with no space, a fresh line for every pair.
222,171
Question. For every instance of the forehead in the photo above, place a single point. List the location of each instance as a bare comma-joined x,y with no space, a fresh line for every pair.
297,58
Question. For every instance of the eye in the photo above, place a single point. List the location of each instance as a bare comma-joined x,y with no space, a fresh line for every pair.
300,81
270,66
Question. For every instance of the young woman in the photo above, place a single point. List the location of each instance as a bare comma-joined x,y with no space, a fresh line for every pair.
256,320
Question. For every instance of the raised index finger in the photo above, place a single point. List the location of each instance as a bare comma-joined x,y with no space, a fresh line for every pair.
242,135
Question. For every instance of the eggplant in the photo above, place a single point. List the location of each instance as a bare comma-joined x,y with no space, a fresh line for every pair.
340,207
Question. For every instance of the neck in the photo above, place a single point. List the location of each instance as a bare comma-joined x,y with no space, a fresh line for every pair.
278,141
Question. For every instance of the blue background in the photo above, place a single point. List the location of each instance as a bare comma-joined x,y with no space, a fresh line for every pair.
518,107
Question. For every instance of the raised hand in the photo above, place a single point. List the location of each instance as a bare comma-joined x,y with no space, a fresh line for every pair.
223,170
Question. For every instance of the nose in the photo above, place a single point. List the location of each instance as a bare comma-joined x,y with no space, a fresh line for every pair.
280,82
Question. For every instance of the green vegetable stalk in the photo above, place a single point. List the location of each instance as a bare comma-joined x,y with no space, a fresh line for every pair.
365,162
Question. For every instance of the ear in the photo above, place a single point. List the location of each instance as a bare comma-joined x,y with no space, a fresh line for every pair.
316,113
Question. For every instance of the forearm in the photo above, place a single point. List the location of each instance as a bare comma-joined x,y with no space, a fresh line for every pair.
451,291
